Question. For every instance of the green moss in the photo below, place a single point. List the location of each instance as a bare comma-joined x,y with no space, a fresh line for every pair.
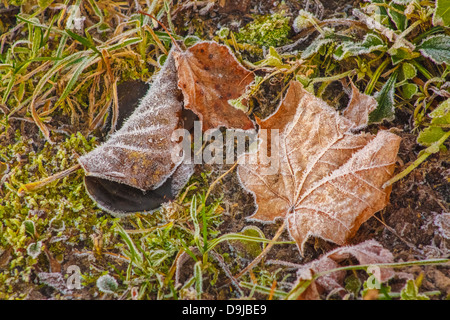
60,215
268,31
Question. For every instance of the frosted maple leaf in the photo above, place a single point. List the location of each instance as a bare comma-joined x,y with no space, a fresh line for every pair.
329,180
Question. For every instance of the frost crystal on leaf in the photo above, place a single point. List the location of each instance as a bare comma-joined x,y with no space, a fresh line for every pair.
54,280
398,17
139,154
370,43
442,221
436,48
34,249
329,180
209,76
107,284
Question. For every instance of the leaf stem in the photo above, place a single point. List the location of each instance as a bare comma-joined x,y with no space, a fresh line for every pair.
409,29
332,78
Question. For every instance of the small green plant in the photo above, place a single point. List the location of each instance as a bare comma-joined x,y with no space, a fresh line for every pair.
266,31
34,249
107,284
411,290
400,36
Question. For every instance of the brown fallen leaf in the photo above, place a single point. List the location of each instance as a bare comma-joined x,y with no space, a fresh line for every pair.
359,108
328,180
367,253
139,153
209,75
56,281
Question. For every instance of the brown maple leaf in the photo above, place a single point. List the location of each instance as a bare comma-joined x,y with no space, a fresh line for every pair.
329,180
359,108
209,76
139,153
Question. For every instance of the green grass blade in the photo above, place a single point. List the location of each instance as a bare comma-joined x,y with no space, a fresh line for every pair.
198,276
84,41
123,44
237,236
8,88
136,257
86,62
262,289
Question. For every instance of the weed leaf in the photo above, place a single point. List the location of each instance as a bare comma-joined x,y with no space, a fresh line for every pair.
436,48
402,51
370,43
409,90
398,18
385,99
441,16
408,71
411,292
405,2
440,118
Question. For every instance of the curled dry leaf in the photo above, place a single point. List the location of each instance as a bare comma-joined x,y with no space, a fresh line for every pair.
367,253
209,75
139,154
323,180
133,170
